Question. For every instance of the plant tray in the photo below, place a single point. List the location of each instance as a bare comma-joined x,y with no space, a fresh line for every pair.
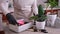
21,28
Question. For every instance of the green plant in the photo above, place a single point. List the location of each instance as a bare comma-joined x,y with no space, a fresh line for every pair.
41,16
52,3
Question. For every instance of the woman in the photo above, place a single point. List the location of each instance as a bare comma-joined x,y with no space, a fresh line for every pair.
3,10
6,12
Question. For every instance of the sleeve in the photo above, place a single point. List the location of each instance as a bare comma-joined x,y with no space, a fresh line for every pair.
34,7
4,7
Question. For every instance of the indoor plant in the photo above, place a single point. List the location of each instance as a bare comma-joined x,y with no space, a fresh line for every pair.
51,17
40,18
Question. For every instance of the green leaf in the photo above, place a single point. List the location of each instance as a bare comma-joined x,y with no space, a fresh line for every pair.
53,3
33,18
40,10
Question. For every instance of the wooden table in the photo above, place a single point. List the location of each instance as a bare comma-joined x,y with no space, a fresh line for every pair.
55,10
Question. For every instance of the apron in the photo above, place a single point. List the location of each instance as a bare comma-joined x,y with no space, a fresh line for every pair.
23,9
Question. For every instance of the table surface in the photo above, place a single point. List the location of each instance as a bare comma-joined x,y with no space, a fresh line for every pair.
50,8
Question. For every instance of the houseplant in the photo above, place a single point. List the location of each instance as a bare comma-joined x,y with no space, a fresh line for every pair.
52,3
51,17
40,19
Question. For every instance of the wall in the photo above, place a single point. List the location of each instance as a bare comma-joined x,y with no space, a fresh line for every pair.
41,2
59,10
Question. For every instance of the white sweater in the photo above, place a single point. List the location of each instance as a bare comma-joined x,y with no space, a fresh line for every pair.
4,6
25,8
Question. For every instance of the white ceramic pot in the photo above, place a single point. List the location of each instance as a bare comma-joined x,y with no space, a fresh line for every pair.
40,25
20,28
57,23
51,20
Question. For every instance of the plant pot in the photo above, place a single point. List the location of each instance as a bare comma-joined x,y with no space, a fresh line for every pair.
40,25
21,28
57,23
51,20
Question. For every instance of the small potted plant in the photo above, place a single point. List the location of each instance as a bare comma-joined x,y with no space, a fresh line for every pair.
51,17
40,19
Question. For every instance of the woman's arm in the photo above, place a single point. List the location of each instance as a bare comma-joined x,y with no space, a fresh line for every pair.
4,9
34,7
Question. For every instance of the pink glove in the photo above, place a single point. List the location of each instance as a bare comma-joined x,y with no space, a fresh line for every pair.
20,22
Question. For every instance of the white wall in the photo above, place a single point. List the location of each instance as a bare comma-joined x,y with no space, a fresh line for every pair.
41,1
59,10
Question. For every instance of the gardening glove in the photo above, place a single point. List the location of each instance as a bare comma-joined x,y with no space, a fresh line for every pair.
11,19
